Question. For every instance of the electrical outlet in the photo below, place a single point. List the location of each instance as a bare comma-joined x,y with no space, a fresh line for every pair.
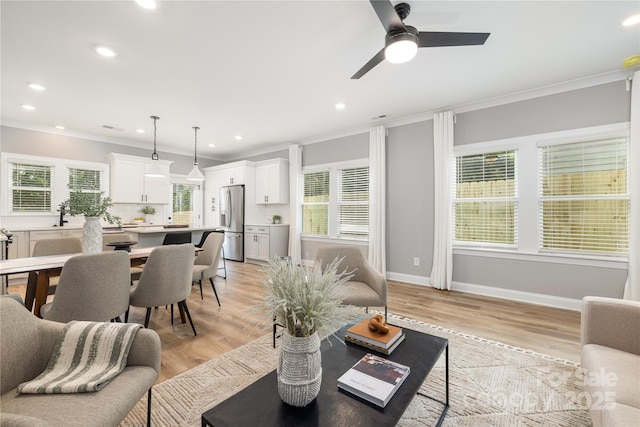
416,261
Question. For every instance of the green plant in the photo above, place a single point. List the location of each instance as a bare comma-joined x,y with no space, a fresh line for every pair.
89,203
148,210
276,217
303,299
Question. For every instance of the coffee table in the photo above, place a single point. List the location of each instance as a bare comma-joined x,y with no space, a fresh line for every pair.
260,403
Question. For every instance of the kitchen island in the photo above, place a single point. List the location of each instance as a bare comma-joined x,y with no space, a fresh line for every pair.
154,236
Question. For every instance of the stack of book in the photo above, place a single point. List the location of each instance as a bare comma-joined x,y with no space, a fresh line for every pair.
374,379
361,334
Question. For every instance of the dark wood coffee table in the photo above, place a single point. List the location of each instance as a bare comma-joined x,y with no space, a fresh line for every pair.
260,403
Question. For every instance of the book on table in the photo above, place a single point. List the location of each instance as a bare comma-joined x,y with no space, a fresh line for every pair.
382,350
361,332
374,378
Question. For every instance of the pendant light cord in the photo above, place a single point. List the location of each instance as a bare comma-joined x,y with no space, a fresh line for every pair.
195,149
154,156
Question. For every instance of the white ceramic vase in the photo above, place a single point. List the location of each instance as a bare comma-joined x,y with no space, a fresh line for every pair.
91,235
299,369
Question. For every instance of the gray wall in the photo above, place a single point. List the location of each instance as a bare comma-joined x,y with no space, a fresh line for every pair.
410,193
22,141
280,154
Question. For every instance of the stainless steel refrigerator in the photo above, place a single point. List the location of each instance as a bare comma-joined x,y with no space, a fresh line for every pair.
232,219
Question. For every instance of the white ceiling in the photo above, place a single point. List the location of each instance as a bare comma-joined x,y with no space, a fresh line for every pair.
272,71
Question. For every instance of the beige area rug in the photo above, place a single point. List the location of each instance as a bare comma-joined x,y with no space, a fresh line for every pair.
491,384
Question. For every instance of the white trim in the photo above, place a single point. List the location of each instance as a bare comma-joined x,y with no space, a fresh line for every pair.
338,240
513,295
489,291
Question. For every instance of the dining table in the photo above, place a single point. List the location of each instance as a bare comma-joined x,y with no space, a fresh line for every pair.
42,268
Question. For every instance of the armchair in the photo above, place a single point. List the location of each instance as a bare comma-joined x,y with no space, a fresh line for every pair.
26,343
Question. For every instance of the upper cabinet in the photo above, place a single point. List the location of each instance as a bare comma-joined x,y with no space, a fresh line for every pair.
130,185
272,182
235,173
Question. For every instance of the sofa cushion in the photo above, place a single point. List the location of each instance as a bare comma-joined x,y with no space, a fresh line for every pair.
360,294
612,376
104,408
624,415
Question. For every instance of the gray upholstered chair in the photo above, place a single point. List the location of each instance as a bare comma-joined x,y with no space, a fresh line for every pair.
44,247
120,237
26,344
207,261
367,287
610,358
166,279
91,287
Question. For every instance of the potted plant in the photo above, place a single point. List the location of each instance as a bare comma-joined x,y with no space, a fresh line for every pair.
93,206
147,210
306,302
276,219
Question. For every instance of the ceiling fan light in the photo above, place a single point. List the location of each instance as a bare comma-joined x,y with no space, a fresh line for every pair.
401,48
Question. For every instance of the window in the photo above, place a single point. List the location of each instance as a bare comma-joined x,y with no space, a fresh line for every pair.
485,203
315,204
84,180
183,209
584,197
335,202
353,202
31,187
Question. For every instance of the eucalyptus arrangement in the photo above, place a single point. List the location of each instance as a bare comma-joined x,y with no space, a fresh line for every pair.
305,300
89,204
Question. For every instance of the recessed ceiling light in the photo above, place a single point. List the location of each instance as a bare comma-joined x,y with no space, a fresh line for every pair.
140,130
36,86
147,4
28,107
60,127
212,145
238,137
340,106
105,51
632,20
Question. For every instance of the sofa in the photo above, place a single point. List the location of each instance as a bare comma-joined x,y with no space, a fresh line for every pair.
26,343
610,337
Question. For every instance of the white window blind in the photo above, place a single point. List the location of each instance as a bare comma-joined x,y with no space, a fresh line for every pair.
584,197
183,209
31,187
85,181
484,195
353,202
315,203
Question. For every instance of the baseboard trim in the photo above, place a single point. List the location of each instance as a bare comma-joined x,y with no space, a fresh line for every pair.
490,291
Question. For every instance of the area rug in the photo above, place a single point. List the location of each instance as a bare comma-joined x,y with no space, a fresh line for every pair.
491,384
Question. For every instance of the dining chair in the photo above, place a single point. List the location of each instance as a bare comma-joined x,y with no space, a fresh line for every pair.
177,238
92,287
206,264
166,279
45,247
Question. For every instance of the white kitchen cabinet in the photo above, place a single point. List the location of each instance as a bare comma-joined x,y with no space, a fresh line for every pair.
212,199
265,242
19,246
236,173
272,182
130,185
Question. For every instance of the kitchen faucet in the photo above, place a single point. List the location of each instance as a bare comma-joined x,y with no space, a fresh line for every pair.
62,220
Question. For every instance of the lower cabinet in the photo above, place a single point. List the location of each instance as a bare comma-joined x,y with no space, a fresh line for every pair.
265,242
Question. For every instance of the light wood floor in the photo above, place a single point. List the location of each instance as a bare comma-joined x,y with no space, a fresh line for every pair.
221,329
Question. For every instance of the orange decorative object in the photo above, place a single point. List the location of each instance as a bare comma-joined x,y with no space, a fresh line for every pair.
377,324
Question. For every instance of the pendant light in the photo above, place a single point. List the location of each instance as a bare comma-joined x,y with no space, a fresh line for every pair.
195,174
153,170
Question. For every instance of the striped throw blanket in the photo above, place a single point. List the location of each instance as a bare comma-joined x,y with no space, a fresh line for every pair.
86,357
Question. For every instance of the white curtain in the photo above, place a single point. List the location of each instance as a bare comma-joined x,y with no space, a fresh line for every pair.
632,288
295,215
441,270
377,198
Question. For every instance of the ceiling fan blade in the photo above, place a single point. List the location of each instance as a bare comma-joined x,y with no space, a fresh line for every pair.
388,15
435,39
369,65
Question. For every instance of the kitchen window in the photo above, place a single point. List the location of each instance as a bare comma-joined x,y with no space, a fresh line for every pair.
32,187
335,200
185,202
85,181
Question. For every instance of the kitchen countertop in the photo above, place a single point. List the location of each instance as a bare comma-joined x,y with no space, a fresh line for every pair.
161,229
137,228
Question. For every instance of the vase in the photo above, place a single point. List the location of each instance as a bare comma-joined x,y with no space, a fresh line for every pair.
299,369
91,235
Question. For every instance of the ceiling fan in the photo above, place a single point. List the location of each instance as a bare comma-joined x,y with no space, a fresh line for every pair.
402,41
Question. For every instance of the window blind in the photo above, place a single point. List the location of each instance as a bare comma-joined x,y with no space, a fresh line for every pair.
31,187
183,203
484,194
315,203
353,202
584,196
85,179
